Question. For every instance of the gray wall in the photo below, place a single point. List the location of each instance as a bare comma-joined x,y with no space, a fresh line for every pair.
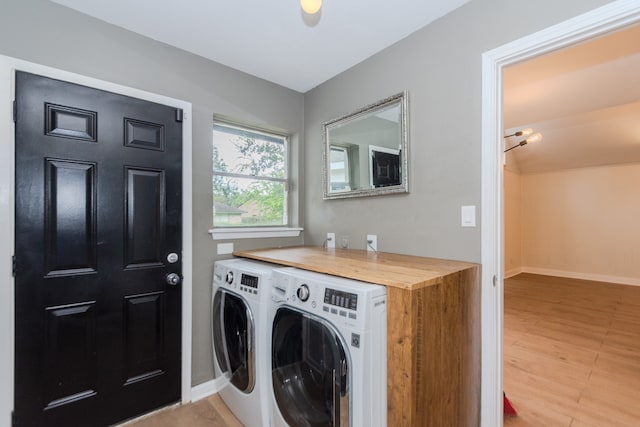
440,67
46,33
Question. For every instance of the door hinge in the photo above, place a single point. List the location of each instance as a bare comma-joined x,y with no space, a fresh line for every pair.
495,281
179,115
14,265
15,111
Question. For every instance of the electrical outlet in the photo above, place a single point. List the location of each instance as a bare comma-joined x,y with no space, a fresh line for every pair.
225,248
372,243
331,240
344,242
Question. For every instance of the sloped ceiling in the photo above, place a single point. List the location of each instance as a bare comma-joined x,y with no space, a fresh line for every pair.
273,40
585,100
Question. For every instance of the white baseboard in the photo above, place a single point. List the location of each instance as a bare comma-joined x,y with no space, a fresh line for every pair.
207,389
512,272
633,281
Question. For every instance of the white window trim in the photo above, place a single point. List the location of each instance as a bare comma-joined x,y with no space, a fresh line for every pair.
253,232
285,230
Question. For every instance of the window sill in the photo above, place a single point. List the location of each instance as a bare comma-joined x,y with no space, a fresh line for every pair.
253,232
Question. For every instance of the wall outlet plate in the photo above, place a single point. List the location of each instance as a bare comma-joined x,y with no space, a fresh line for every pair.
372,243
331,240
225,248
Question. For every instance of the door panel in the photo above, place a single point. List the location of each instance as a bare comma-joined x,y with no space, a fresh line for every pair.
98,208
148,136
145,219
70,212
69,122
144,326
70,362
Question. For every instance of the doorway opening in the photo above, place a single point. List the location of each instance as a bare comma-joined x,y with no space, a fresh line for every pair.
601,21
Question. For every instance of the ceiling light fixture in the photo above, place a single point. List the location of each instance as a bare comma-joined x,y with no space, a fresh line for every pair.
523,132
533,138
311,6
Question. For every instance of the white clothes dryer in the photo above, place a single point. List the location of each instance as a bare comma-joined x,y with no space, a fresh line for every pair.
241,346
328,351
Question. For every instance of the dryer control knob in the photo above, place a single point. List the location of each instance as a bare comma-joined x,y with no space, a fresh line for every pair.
229,278
303,292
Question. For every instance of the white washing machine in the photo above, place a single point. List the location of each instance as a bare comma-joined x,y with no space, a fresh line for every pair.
328,351
241,332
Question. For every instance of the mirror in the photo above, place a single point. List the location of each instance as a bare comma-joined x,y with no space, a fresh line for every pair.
366,152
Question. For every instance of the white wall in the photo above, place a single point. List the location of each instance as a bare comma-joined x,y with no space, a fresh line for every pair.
512,223
583,223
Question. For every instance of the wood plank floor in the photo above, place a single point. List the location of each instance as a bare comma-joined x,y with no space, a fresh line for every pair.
209,412
571,352
571,358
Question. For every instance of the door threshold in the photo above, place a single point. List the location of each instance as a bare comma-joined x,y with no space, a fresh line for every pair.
130,421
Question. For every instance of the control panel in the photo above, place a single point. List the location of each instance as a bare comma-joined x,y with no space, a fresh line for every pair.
249,283
249,280
341,299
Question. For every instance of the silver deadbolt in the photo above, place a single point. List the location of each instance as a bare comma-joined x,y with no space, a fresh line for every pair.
172,258
172,279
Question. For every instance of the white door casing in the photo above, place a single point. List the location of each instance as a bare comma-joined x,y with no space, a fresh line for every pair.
8,66
608,18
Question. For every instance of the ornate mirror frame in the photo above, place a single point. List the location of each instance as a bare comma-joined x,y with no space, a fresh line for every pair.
354,122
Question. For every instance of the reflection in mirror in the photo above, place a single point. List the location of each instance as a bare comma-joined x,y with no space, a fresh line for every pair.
366,152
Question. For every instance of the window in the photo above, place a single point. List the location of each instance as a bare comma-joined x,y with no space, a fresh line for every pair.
339,162
250,178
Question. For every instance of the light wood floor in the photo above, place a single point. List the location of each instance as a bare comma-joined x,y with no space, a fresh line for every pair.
571,358
571,352
209,412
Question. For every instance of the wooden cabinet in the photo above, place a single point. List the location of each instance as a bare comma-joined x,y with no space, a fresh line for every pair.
433,328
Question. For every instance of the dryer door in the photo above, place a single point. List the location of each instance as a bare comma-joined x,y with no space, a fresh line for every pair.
233,339
310,370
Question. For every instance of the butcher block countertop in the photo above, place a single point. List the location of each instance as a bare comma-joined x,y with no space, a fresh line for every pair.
394,270
433,328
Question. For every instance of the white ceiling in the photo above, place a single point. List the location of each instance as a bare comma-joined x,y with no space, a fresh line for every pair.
585,100
273,40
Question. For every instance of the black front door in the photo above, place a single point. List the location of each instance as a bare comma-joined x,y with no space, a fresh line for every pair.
98,212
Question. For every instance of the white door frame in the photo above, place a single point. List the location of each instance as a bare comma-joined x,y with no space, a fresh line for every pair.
8,66
610,17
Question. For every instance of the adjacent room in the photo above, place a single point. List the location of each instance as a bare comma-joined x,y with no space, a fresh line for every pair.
571,296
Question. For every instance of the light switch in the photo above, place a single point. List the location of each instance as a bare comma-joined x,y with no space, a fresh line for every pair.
468,214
